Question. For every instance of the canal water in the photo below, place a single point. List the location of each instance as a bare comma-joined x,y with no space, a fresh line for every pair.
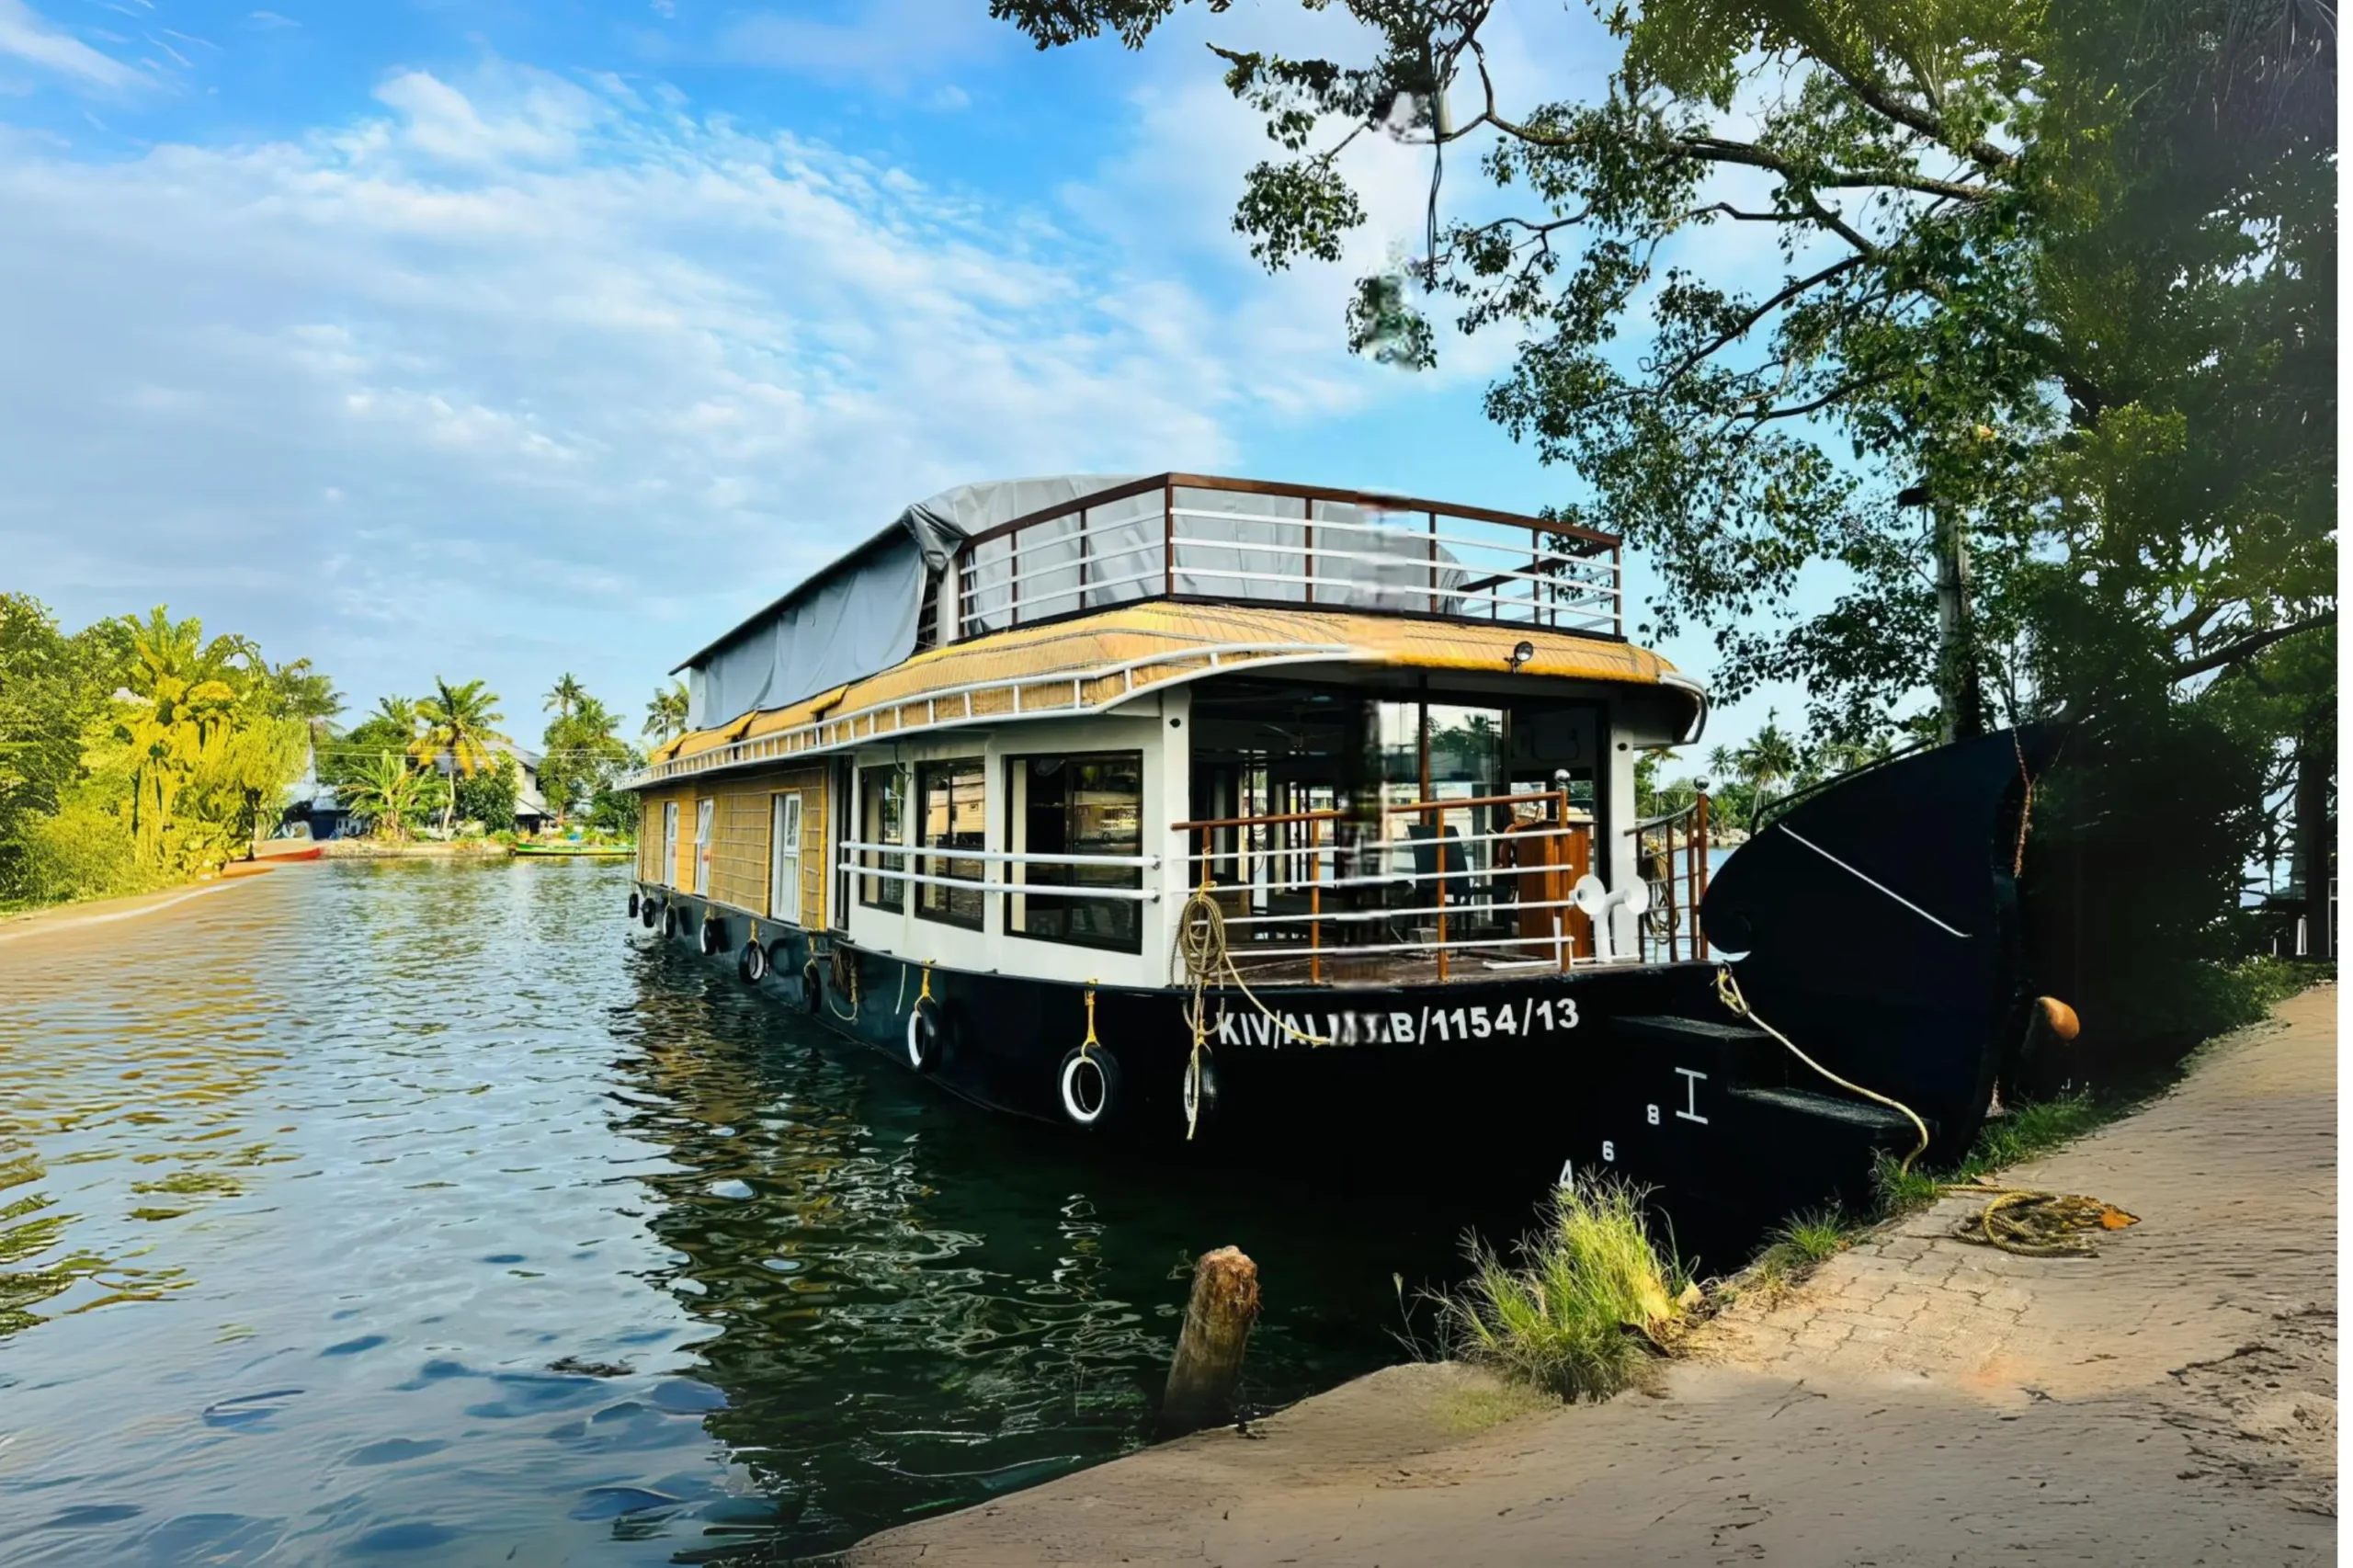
424,1212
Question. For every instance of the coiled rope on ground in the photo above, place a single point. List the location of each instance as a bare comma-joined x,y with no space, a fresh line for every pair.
2025,1220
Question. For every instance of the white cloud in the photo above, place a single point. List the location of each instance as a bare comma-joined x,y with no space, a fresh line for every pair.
28,36
518,377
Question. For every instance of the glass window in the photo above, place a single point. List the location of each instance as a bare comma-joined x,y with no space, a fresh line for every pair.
1078,805
953,816
882,794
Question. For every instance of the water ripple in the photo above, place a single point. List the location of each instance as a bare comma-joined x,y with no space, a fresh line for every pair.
427,1212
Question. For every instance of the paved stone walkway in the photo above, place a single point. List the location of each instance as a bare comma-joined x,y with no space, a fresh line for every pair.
1917,1401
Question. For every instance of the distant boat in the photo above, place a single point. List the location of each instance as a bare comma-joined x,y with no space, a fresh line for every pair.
587,851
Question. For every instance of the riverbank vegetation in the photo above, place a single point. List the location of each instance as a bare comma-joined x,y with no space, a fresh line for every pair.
1576,1313
140,752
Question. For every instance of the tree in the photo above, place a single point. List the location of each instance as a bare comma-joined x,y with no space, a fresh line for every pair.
177,716
457,724
488,797
666,715
564,696
54,691
384,793
2038,267
584,756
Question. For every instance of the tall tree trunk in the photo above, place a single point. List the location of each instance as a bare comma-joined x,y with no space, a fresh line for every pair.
2312,868
1958,704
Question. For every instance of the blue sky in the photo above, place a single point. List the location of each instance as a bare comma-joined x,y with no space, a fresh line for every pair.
500,339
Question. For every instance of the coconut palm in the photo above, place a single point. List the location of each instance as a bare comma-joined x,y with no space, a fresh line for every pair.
383,791
566,696
180,708
398,711
667,714
456,723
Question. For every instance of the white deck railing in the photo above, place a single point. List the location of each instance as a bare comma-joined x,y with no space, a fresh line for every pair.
1187,536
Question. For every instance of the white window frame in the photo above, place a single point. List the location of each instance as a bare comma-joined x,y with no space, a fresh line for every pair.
706,814
669,843
784,856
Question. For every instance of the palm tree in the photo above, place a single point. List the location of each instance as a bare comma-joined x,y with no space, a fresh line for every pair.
182,697
1768,761
457,724
667,714
565,695
383,791
398,711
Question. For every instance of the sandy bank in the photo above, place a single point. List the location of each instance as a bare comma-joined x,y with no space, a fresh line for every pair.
1918,1401
107,911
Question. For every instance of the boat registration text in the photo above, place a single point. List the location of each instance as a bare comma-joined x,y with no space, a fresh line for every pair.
1423,1026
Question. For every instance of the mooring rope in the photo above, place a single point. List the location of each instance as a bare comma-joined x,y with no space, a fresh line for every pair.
1201,946
2034,1224
1728,992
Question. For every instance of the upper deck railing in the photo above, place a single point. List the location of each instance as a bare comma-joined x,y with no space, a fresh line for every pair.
1185,536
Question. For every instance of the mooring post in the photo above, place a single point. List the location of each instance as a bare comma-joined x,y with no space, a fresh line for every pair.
1208,1352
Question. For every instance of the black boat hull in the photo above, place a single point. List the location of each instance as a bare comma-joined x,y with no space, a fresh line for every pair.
1513,1081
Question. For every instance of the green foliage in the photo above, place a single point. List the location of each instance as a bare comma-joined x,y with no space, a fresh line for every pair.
344,757
387,794
488,797
2057,280
1813,1235
1575,1315
457,724
139,751
584,756
666,715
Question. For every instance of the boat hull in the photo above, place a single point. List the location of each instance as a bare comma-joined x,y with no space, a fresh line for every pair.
1516,1079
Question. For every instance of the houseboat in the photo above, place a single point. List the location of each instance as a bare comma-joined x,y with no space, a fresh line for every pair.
1205,813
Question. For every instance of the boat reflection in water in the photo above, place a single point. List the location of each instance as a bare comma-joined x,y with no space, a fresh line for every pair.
912,1306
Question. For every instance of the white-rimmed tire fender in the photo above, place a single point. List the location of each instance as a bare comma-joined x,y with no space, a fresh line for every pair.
752,963
927,1036
1087,1085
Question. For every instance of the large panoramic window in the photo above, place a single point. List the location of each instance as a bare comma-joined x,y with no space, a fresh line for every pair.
1076,805
952,815
882,796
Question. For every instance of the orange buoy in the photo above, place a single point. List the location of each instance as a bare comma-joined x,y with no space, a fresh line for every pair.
2059,1017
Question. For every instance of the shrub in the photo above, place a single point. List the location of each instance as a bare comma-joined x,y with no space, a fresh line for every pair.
1578,1315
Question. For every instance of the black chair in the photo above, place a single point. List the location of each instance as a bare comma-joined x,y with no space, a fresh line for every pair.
1430,854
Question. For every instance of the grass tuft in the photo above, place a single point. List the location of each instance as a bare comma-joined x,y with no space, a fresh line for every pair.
1579,1315
1815,1235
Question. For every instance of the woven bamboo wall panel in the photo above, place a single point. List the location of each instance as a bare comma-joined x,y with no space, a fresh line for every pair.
739,850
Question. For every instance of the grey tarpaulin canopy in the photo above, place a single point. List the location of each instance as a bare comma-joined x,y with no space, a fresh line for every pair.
862,613
858,614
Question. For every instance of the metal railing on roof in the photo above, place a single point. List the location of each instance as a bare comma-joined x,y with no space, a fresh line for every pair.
1196,537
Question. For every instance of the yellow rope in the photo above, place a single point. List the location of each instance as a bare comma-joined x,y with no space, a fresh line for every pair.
1200,943
2033,1223
1728,992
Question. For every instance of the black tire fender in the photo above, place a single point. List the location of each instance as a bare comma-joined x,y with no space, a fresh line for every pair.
669,921
1199,1100
813,987
1086,1085
633,904
752,963
712,938
649,913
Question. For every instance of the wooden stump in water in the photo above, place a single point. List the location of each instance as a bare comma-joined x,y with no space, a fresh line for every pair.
1208,1352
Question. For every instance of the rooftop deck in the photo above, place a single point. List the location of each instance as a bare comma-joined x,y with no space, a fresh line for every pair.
1196,537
